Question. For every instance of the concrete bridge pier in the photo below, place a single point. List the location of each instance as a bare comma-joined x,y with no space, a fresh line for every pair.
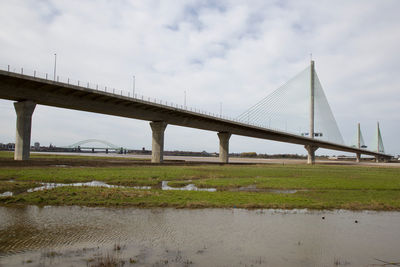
311,153
24,110
157,146
381,159
224,146
358,157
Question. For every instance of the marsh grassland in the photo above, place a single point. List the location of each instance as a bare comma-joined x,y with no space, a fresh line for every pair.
242,186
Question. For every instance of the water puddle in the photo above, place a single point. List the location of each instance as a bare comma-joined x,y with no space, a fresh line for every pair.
6,194
164,186
47,186
189,187
282,191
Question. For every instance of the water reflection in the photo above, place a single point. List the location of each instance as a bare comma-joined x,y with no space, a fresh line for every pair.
164,186
47,186
205,237
6,194
189,187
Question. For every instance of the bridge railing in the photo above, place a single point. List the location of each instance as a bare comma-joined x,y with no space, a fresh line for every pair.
119,92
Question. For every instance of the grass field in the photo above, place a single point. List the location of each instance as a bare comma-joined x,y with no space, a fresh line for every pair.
319,186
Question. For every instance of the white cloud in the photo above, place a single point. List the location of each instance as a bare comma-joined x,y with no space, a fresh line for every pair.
234,52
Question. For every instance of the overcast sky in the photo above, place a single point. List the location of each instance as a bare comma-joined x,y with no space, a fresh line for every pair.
234,52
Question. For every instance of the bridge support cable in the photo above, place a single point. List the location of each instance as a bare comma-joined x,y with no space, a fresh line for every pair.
157,146
283,108
288,109
224,146
325,122
24,112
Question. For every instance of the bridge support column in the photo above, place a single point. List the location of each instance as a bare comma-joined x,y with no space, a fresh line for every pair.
157,147
311,153
358,157
224,146
24,112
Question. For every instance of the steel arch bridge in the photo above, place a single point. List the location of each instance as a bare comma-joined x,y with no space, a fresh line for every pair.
108,144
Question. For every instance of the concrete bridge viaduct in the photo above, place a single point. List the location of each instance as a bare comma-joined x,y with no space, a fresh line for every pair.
28,91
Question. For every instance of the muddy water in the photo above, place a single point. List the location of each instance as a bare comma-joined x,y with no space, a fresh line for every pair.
76,236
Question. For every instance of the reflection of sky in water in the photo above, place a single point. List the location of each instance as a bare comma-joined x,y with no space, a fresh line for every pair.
189,187
6,194
207,237
164,186
46,186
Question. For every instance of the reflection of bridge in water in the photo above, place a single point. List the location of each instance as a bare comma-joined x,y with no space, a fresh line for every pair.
298,113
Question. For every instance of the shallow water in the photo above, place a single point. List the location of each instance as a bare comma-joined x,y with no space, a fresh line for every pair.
164,186
6,194
66,236
189,187
47,186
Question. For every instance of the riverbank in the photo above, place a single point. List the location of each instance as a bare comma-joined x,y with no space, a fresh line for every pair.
276,186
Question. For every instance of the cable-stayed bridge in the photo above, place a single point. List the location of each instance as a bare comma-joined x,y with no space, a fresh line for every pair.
300,105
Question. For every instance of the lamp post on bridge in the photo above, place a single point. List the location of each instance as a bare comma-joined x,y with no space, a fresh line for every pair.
184,99
133,89
55,65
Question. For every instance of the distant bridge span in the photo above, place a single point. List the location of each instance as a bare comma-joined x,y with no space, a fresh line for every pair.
78,144
28,91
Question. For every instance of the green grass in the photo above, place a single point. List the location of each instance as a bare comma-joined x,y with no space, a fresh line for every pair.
16,187
319,199
221,177
6,154
323,186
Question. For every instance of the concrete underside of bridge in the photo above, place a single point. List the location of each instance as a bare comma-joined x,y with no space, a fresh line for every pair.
28,91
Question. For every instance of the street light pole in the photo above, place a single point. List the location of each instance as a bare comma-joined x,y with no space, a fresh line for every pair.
184,98
134,80
55,65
